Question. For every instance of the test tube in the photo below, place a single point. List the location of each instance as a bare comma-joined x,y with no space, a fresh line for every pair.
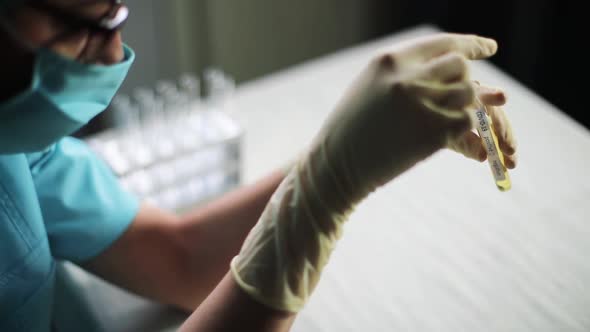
172,99
485,130
190,89
189,115
216,96
214,81
191,86
173,103
154,122
145,100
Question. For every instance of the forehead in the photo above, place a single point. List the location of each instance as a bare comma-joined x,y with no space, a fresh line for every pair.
79,3
85,7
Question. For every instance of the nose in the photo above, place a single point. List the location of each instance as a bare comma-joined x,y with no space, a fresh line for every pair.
111,51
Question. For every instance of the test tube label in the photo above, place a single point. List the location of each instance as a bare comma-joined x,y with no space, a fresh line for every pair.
485,132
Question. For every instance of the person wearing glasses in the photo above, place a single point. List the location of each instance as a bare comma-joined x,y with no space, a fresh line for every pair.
246,262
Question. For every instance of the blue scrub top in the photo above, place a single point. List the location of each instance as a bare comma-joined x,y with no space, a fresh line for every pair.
60,204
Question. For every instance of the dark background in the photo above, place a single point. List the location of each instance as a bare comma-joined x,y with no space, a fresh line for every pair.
542,43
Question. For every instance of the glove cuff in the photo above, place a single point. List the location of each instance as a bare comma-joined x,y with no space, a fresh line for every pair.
282,258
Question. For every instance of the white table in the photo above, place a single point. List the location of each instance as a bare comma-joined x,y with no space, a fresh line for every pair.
440,248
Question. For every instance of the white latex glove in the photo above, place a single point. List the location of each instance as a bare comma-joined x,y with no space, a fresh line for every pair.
470,144
407,104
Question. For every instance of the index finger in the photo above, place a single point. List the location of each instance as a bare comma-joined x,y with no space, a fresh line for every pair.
472,47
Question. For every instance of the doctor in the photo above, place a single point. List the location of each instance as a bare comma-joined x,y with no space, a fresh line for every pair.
248,261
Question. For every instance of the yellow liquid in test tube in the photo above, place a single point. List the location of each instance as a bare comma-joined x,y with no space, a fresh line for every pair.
490,141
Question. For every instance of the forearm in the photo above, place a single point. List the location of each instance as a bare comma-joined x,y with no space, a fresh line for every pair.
178,260
213,234
228,308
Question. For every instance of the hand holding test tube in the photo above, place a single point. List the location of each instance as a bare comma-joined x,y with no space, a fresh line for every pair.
495,142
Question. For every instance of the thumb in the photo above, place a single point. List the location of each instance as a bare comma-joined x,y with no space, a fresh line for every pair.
451,123
458,125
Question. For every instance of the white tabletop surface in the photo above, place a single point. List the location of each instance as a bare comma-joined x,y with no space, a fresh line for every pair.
439,248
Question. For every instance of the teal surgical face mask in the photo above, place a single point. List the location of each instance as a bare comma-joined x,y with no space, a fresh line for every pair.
63,96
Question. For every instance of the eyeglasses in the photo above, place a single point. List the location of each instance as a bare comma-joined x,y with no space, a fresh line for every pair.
108,23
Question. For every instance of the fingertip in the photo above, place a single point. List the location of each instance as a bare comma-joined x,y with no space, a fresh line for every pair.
490,46
510,164
483,47
504,95
499,96
510,150
482,155
511,161
492,96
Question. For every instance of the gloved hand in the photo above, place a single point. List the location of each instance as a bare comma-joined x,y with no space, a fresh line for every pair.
469,143
407,104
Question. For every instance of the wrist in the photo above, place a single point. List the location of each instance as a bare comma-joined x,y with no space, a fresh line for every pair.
330,180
